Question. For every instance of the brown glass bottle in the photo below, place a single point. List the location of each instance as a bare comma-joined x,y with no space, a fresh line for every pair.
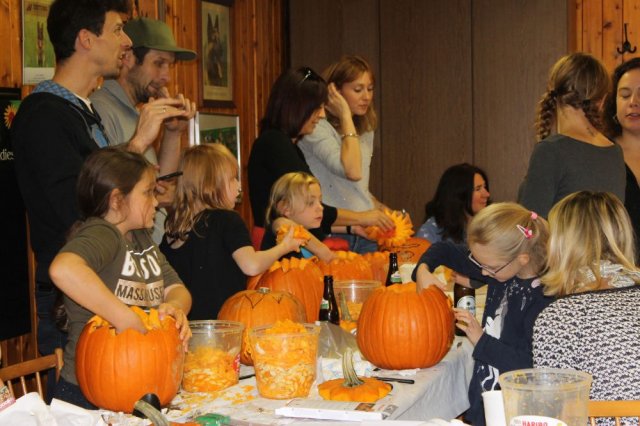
393,276
464,298
328,305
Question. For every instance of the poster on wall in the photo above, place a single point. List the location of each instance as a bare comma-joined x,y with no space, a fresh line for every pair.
219,128
37,51
14,285
216,51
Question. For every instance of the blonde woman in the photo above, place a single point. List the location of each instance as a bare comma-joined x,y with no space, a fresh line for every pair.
572,154
593,326
206,241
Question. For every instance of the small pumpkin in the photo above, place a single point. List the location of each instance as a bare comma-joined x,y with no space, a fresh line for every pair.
300,277
347,265
402,230
400,328
351,387
259,307
115,370
379,262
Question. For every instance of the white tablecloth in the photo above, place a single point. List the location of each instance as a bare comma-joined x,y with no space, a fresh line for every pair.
439,392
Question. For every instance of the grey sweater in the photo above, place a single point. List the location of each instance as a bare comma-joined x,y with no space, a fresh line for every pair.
561,165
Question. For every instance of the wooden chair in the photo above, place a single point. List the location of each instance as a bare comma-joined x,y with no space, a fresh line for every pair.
31,367
615,409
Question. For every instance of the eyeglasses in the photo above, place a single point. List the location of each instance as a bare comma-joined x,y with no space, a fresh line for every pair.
309,74
492,272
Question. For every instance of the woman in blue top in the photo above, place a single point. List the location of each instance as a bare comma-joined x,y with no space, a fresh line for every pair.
462,192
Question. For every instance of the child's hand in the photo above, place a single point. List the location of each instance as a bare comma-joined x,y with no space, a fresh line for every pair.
468,323
424,278
290,242
182,323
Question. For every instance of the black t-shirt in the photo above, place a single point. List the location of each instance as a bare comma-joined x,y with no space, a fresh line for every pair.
204,261
273,155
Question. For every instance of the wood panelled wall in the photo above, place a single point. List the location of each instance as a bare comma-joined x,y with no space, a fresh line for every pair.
455,81
258,42
599,28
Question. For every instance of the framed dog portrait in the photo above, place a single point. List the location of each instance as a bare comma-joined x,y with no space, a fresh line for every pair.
216,51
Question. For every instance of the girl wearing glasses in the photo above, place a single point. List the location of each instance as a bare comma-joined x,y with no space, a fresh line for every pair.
507,249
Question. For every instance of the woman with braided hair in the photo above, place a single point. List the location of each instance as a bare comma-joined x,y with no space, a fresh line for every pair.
572,153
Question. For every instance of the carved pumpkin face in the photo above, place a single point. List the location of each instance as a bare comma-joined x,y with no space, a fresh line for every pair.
115,370
400,328
259,307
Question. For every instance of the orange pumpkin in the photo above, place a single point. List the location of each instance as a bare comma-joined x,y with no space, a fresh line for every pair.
115,370
259,307
403,229
351,387
400,328
299,232
379,262
347,265
300,277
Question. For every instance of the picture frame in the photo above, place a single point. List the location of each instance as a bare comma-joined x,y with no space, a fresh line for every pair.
38,58
220,128
215,48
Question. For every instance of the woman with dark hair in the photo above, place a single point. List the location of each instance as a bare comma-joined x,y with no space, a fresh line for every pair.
462,192
295,106
622,124
578,156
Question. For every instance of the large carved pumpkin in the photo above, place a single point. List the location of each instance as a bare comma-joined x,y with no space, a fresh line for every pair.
347,265
379,262
400,328
115,370
411,250
300,277
259,307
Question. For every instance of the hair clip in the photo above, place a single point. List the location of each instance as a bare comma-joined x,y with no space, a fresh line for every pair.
534,215
528,233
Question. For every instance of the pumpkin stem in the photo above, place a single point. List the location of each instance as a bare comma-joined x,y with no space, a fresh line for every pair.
351,379
342,300
156,417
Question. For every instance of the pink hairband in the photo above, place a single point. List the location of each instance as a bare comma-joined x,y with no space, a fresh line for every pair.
527,232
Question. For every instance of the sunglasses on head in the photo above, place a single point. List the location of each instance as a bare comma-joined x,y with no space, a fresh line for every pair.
309,74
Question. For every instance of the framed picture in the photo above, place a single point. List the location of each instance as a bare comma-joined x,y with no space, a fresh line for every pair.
218,128
37,50
216,51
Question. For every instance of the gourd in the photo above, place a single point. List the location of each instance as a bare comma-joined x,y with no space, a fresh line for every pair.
115,370
347,265
300,277
259,307
351,387
400,328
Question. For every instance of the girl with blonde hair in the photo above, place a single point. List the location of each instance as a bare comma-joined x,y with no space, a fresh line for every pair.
593,325
572,153
296,199
507,249
206,241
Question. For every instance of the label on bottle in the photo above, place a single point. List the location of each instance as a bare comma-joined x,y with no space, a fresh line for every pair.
396,278
324,304
468,303
536,421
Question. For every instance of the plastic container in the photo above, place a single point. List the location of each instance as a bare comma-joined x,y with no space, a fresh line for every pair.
355,293
545,396
213,360
285,363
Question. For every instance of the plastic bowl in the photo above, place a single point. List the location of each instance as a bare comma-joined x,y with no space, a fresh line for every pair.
213,360
355,293
285,363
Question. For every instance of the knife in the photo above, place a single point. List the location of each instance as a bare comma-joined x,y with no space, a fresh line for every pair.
394,379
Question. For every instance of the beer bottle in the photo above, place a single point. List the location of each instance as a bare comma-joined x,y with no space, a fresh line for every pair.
329,306
464,298
393,276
